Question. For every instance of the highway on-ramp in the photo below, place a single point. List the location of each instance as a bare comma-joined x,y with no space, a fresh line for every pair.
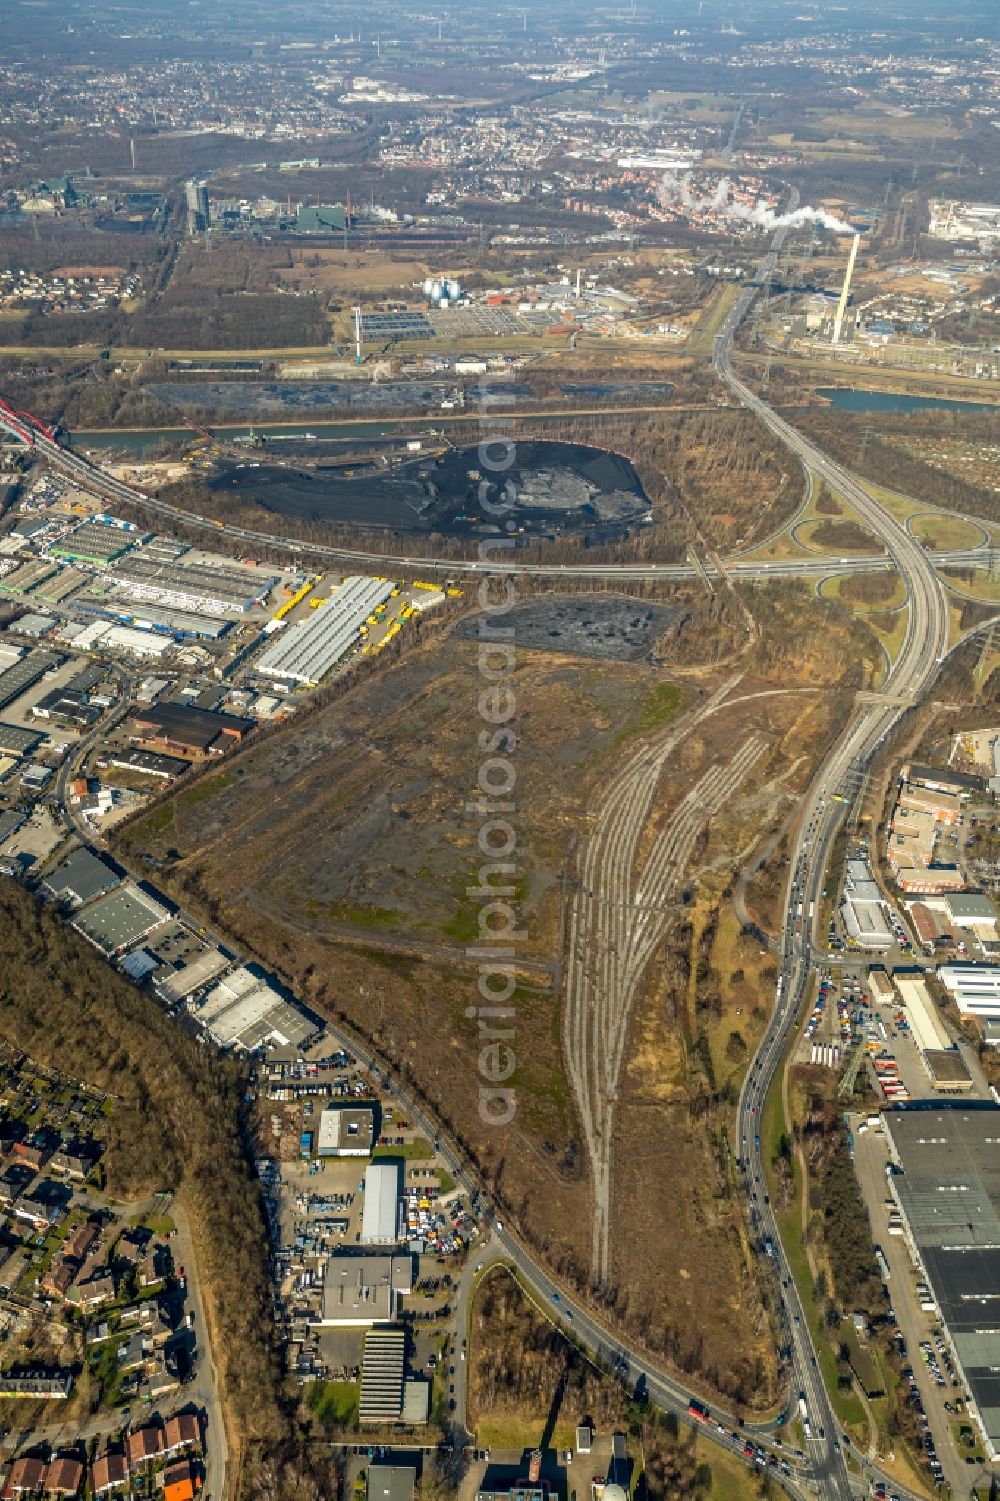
740,566
923,648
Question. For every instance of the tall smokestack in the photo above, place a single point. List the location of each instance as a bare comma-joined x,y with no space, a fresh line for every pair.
578,283
842,305
357,335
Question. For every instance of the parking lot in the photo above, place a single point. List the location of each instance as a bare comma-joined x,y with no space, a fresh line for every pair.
928,1382
35,839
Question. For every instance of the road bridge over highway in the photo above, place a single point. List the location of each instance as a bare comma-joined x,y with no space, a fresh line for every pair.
923,648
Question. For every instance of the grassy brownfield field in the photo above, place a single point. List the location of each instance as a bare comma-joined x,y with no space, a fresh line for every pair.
339,850
518,1360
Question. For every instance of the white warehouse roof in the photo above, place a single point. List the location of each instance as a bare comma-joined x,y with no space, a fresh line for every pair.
314,644
865,921
380,1218
243,1011
976,987
925,1024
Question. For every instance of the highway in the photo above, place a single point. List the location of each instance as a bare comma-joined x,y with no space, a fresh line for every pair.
923,648
96,479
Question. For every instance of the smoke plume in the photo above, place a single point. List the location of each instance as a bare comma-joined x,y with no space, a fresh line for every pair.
678,192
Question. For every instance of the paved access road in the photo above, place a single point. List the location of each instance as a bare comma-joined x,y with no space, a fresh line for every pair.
922,650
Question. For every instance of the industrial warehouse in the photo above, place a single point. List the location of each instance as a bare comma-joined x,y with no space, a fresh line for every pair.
204,587
120,918
946,1184
24,673
380,1224
359,1290
244,1012
346,1131
306,651
185,730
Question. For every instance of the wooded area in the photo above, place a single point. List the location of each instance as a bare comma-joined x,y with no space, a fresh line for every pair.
181,1124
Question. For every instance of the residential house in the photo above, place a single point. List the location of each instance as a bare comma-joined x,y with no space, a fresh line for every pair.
178,1483
58,1280
80,1240
159,1380
64,1477
143,1446
182,1431
35,1152
26,1476
110,1473
40,1215
75,1159
97,1290
133,1354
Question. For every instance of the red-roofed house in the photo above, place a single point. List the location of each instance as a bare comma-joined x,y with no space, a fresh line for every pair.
26,1475
110,1473
182,1431
63,1477
178,1483
144,1445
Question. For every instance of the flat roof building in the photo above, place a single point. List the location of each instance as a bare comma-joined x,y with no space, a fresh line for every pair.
346,1131
244,1012
24,674
382,1372
866,923
205,586
943,779
921,1013
95,541
181,729
146,763
975,987
306,651
133,643
946,807
17,741
947,1187
121,918
174,983
383,1192
362,1290
390,1482
79,878
69,706
968,909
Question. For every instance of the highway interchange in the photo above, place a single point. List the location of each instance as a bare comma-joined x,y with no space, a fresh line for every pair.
740,566
923,649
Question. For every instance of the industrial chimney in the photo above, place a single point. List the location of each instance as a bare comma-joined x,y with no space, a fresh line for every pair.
846,292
